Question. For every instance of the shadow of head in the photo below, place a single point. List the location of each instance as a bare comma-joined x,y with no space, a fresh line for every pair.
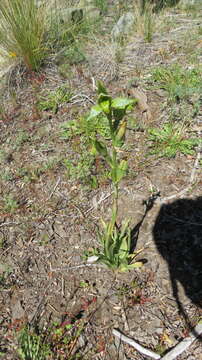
178,236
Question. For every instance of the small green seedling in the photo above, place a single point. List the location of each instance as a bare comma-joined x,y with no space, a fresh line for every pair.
80,169
171,140
179,83
85,127
10,204
21,138
115,240
54,99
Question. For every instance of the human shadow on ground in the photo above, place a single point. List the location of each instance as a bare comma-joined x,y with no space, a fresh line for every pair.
178,237
136,229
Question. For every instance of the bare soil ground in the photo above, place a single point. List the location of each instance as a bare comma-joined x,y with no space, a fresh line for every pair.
48,220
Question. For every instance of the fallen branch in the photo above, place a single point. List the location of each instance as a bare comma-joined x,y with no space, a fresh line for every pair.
172,354
134,344
184,344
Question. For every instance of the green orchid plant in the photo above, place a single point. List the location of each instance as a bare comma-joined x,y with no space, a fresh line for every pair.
115,240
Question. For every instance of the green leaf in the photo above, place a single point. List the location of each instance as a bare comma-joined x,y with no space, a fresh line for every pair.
122,103
126,267
125,228
137,264
114,215
104,224
95,111
104,104
124,251
121,170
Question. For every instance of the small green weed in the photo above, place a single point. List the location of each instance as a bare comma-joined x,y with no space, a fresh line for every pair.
115,240
129,290
10,203
1,245
65,71
6,176
84,284
81,168
54,99
74,55
70,129
59,339
32,173
32,346
160,348
171,140
28,174
192,9
70,55
178,82
63,337
51,163
21,138
83,131
86,127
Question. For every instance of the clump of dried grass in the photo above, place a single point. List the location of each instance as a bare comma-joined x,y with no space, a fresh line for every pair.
103,62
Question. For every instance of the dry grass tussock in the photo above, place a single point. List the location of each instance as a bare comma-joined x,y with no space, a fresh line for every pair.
103,60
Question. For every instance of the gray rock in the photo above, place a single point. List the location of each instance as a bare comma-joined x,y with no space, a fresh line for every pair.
123,26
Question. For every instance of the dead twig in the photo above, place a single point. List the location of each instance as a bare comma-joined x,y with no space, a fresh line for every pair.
95,206
82,96
134,344
67,268
184,344
9,224
172,354
55,187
